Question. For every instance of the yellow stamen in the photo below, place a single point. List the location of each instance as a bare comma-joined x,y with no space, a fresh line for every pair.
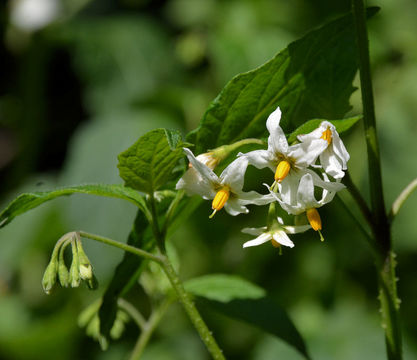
313,217
282,171
275,243
327,135
220,199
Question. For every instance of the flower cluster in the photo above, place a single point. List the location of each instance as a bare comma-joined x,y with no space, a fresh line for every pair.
300,170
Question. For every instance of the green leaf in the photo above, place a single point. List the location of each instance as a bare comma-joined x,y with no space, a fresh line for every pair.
28,201
265,314
341,126
148,164
311,78
223,288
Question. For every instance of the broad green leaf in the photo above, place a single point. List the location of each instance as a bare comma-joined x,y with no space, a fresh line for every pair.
265,314
311,78
28,201
341,126
223,288
148,164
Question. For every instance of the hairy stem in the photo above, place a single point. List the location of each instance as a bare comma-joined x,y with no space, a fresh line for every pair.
380,224
191,310
123,246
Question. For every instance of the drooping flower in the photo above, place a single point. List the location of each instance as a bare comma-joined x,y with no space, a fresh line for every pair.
282,159
335,156
305,200
225,190
277,235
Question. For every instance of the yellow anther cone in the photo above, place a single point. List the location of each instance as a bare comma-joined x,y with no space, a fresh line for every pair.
282,171
314,219
327,135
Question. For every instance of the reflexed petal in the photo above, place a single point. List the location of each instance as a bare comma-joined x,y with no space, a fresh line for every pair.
260,159
193,184
235,207
331,164
206,173
305,194
282,238
254,231
288,187
325,184
315,134
277,142
253,197
296,229
261,239
340,150
306,153
234,174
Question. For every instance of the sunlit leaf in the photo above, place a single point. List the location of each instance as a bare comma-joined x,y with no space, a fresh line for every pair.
311,78
28,201
148,164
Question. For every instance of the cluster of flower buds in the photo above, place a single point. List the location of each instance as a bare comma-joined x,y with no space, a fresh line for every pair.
80,269
299,170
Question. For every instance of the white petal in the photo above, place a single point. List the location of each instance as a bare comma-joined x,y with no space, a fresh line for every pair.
282,238
193,184
206,173
277,142
306,153
331,164
315,134
339,149
305,193
261,239
296,229
234,174
260,159
235,207
254,231
252,197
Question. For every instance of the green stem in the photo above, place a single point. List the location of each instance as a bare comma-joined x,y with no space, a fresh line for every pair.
357,196
191,310
123,246
158,235
176,283
396,205
148,328
380,224
133,312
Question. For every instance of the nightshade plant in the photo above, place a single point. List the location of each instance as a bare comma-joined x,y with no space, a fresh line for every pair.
297,94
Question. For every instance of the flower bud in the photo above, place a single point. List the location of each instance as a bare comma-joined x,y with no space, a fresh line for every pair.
49,277
63,274
74,273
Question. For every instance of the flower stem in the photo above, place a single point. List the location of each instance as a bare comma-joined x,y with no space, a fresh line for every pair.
148,328
195,317
123,246
380,225
396,206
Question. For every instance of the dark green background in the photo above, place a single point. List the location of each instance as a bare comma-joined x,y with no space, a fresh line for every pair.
75,94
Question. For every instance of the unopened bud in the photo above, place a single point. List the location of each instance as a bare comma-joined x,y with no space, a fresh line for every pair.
74,273
49,277
63,274
86,270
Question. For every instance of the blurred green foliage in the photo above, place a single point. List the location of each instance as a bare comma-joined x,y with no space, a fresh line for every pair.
77,92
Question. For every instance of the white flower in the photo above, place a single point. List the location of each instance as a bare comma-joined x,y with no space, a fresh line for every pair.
305,200
278,235
282,159
32,15
225,190
334,158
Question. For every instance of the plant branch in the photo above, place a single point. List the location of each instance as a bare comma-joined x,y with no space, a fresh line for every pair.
133,312
380,225
399,201
357,196
123,246
195,317
148,329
